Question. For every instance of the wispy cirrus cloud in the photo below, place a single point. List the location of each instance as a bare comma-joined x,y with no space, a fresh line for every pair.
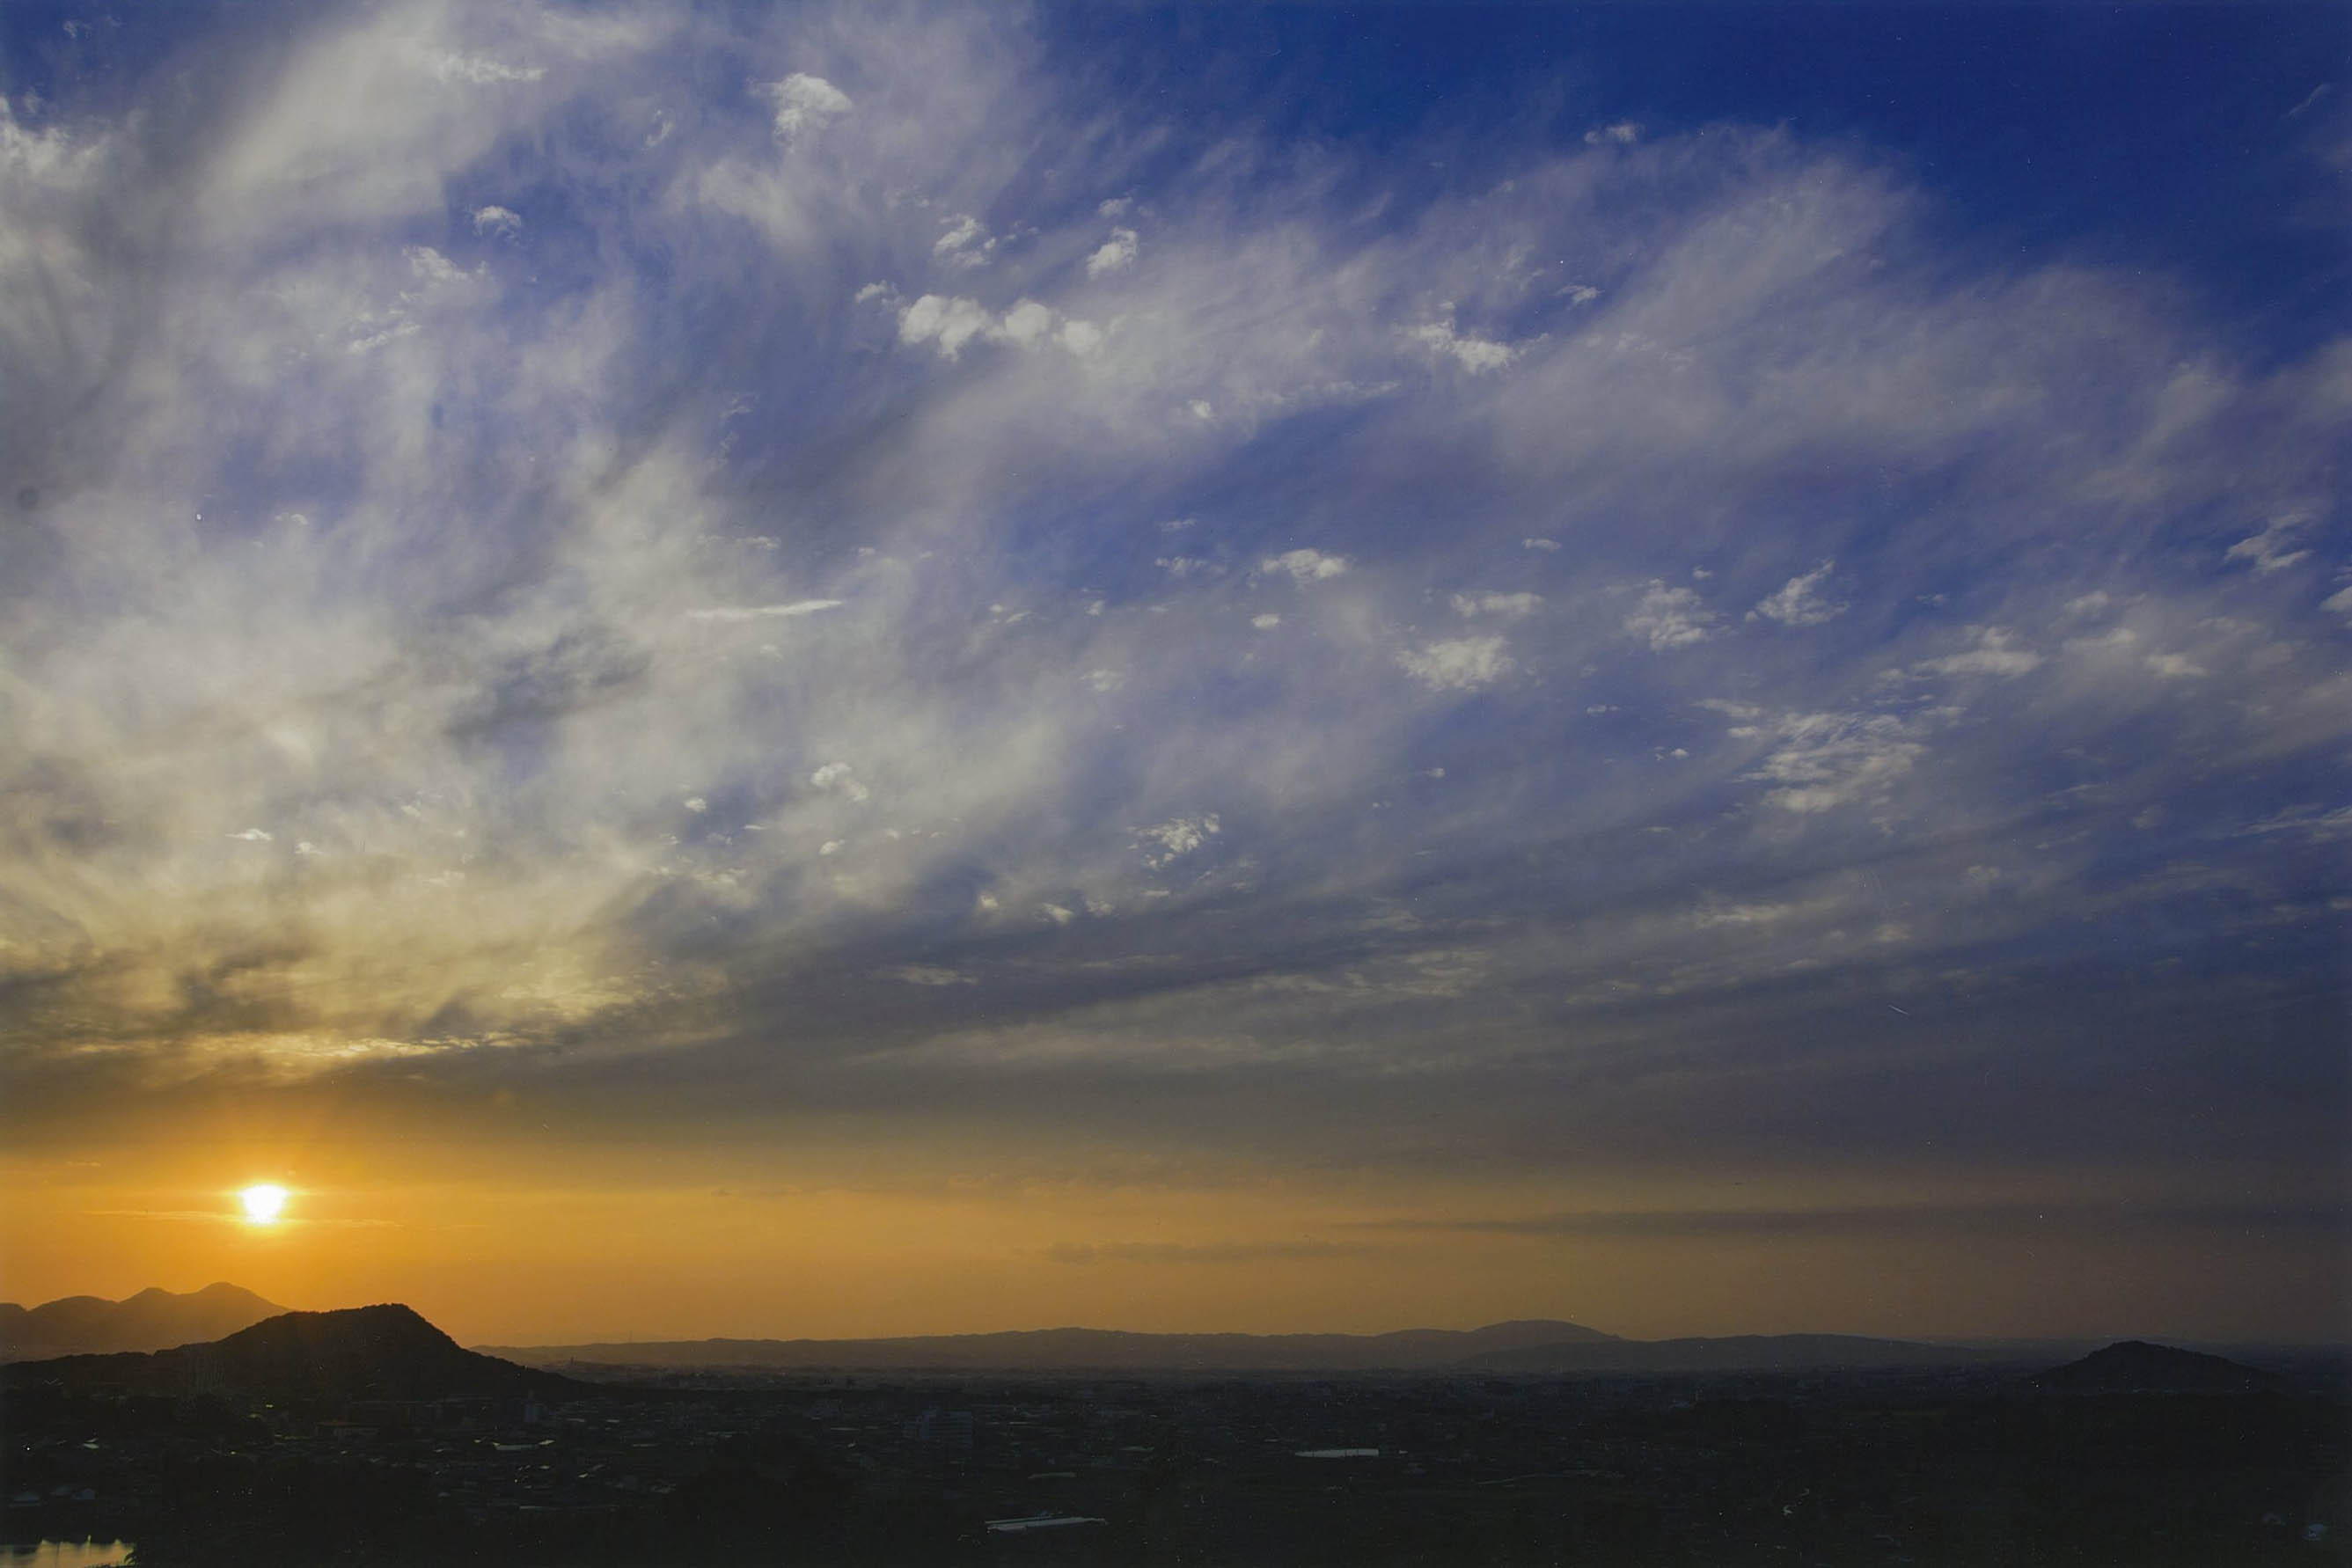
573,577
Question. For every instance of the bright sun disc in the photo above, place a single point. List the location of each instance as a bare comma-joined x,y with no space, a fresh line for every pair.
263,1204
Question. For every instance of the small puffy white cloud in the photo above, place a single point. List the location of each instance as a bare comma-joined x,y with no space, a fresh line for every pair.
2175,665
253,835
948,323
1184,565
1305,566
838,778
696,805
805,104
1104,679
1116,255
1544,544
1026,325
1202,408
1505,606
502,222
1459,664
1266,623
1117,207
951,322
2089,604
1800,602
1058,914
2340,602
1477,355
1623,133
1671,618
1995,653
1177,836
2268,550
727,613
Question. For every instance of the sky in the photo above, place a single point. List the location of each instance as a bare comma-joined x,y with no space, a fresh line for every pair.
871,669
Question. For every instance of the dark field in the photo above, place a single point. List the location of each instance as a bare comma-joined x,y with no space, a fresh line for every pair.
1962,1468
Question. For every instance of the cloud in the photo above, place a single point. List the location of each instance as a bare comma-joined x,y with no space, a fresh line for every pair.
1458,664
1215,1252
2267,550
727,613
481,70
1305,566
326,514
1177,836
924,974
1824,761
1800,602
966,243
1669,618
950,323
1477,355
1996,653
1504,606
838,778
1896,1219
1116,254
803,104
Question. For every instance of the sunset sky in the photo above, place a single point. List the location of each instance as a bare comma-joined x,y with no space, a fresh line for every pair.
854,669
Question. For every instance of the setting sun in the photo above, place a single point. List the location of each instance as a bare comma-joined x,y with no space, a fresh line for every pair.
263,1203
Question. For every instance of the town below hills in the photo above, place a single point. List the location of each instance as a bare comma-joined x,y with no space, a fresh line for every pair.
367,1436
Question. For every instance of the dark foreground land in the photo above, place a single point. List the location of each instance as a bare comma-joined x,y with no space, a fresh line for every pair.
1975,1466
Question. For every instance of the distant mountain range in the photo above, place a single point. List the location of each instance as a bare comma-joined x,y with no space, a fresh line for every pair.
363,1352
388,1351
1050,1350
1539,1345
151,1321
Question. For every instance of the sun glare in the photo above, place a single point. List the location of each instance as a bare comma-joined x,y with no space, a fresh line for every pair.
263,1203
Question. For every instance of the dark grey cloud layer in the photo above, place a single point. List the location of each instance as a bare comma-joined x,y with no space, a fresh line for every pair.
836,573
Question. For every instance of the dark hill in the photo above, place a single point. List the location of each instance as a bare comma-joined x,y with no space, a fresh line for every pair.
1084,1349
363,1353
1738,1353
151,1321
2135,1366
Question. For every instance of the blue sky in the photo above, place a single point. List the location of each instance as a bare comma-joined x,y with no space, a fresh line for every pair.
1512,622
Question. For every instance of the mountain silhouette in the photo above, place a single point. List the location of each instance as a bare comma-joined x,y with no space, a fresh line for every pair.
1733,1352
1083,1348
363,1352
151,1321
2135,1366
